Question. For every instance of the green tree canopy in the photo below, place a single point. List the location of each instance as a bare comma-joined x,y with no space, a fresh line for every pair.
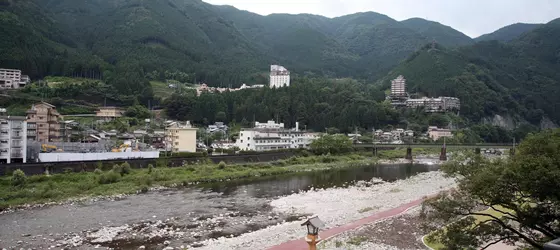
333,144
522,195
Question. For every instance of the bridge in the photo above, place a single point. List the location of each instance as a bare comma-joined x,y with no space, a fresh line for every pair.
428,145
443,155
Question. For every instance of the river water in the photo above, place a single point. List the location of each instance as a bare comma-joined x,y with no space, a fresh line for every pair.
182,216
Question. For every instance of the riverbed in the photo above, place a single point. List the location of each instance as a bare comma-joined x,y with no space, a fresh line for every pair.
227,215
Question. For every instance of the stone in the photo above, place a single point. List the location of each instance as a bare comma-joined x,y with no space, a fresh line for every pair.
166,242
168,248
141,247
20,242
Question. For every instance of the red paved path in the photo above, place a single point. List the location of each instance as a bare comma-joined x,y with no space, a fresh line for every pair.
300,244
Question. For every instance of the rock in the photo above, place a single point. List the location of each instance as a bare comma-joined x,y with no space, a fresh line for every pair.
141,247
168,248
20,242
25,235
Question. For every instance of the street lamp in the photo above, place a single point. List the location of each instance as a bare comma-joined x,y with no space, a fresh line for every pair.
313,225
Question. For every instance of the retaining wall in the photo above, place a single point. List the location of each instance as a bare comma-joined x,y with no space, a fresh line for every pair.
60,167
64,157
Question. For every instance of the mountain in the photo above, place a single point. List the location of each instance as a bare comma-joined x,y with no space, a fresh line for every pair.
438,32
219,45
520,79
508,33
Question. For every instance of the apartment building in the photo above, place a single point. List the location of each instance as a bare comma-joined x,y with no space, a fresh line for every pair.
110,112
13,79
13,139
398,87
44,123
279,77
272,136
180,137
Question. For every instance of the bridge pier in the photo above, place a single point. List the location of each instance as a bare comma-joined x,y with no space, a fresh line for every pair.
374,151
477,151
443,154
409,153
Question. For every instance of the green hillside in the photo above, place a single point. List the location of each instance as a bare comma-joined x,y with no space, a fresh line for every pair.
508,33
521,78
440,33
219,45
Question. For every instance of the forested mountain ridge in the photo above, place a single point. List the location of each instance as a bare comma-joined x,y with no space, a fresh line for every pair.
520,78
219,45
440,33
508,33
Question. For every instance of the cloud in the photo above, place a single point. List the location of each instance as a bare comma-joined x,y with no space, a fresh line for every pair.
472,17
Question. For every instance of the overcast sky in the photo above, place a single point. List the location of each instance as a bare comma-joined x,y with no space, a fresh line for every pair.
472,17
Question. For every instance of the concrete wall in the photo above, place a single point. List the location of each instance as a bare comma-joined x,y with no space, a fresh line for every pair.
61,167
63,157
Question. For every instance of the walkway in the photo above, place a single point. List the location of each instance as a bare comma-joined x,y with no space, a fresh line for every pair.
300,244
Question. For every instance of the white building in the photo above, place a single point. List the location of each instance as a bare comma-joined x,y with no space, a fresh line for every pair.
433,105
13,139
269,125
266,139
398,87
279,77
13,79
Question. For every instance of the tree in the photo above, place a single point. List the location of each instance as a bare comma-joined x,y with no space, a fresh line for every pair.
221,116
138,111
333,144
522,193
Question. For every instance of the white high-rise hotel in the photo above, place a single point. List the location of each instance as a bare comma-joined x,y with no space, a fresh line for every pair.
279,77
398,87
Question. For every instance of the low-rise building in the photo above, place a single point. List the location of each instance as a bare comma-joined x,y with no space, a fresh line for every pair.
273,136
436,133
13,139
180,137
13,79
433,105
269,125
110,112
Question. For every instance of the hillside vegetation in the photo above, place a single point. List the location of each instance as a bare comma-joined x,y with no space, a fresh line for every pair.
520,78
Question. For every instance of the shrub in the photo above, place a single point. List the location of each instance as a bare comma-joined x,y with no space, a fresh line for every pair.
144,189
150,168
222,165
99,165
109,177
125,167
18,178
98,171
161,163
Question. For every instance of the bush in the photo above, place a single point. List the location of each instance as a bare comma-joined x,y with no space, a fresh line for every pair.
109,177
98,171
144,189
126,168
150,168
222,165
18,178
99,165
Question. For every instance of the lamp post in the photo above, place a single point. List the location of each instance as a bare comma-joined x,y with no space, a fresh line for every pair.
313,225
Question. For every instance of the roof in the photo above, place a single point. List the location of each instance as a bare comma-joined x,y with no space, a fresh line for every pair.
111,107
314,221
13,118
45,103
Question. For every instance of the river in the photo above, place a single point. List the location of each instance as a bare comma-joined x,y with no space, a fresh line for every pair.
180,216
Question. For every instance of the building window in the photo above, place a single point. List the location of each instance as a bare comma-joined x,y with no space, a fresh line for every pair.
241,141
248,138
248,144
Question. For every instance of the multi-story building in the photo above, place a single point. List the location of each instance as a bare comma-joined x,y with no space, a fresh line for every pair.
266,139
44,123
110,112
13,79
13,139
432,105
180,137
398,87
279,77
436,133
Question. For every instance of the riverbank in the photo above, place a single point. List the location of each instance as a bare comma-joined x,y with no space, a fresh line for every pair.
76,187
335,206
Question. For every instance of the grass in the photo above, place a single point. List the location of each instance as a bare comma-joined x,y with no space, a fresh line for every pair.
478,219
161,89
358,240
42,188
367,209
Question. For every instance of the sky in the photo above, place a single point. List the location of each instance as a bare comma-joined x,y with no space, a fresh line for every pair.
472,17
